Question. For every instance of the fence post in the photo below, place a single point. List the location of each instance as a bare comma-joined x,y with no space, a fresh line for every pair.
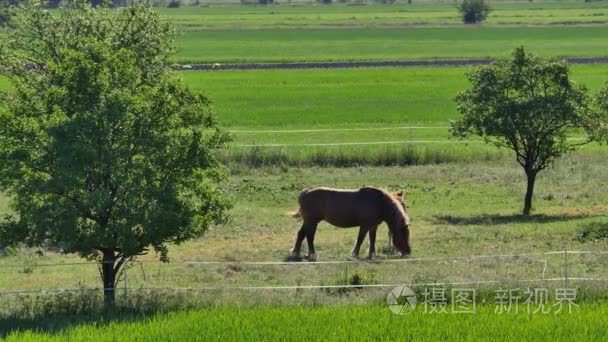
126,266
566,267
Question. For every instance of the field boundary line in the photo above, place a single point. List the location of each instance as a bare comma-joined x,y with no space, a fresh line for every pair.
395,142
329,262
338,129
365,64
300,287
364,143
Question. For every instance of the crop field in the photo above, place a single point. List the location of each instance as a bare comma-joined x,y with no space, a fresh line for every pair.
345,98
356,44
585,323
382,32
416,14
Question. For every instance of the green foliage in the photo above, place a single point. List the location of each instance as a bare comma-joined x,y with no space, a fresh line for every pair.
103,150
6,13
528,105
474,11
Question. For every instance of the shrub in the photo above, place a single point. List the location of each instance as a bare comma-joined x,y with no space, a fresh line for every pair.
174,4
473,11
593,232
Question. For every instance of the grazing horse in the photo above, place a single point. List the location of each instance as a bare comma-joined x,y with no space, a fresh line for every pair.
366,208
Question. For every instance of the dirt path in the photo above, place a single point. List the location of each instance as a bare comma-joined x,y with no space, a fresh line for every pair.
365,64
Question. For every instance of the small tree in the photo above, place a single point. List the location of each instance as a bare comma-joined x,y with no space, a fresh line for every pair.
530,106
103,150
474,11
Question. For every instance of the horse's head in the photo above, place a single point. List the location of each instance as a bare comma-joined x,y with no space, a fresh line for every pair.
401,225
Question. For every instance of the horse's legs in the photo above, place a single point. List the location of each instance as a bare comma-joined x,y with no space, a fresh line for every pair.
389,246
372,241
299,238
360,238
310,238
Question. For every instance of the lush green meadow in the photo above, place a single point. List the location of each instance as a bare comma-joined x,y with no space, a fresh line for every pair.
343,98
356,44
356,323
374,15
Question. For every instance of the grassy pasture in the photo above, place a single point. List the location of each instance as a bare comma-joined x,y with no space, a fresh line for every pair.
415,14
305,323
356,44
457,209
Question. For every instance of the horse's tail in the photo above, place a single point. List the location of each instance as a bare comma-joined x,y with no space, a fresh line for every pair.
298,213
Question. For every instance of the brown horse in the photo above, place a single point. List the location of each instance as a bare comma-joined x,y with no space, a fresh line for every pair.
366,208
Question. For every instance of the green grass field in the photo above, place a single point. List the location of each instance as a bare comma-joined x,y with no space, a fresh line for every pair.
585,323
381,32
391,116
416,14
343,98
355,44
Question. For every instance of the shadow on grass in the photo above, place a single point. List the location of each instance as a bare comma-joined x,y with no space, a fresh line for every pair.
504,219
57,324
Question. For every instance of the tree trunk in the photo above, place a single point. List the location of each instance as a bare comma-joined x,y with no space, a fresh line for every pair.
109,277
529,192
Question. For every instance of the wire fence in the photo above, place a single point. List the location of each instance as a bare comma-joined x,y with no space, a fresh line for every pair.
563,270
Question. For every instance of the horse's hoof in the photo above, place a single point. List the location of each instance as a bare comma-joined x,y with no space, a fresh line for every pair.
354,255
312,257
293,257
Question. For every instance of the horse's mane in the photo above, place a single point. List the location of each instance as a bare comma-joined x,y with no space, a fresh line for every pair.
398,208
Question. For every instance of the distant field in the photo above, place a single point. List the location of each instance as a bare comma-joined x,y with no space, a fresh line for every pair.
352,323
354,44
416,14
321,106
346,98
382,32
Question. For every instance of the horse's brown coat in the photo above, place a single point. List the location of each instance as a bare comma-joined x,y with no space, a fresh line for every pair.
366,207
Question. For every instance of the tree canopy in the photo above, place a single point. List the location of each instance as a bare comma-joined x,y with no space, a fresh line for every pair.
529,105
6,13
103,149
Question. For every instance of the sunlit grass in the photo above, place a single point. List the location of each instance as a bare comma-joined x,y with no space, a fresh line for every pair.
305,323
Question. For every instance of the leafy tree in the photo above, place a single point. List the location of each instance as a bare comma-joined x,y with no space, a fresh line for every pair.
6,13
103,149
530,106
474,11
